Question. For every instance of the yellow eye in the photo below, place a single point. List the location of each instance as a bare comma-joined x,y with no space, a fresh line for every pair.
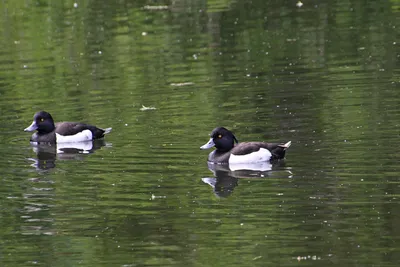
220,136
41,119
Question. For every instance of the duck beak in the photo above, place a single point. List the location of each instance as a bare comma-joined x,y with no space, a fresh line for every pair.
208,145
31,127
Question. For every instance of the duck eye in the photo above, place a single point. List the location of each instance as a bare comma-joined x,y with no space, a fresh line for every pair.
220,136
41,119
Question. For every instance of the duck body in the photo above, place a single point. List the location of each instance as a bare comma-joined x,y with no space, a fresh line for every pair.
62,132
230,151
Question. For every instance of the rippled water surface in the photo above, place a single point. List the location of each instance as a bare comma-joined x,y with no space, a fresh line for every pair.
323,74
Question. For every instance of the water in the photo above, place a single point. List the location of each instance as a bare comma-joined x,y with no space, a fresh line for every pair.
324,76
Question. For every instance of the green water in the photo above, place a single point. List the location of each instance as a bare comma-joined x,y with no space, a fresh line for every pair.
163,74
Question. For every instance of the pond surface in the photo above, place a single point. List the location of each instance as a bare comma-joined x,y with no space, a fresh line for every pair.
323,74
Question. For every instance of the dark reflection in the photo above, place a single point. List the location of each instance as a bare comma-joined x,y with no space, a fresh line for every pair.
227,176
47,154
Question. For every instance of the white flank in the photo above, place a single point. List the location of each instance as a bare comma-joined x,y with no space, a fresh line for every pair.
85,135
258,156
255,166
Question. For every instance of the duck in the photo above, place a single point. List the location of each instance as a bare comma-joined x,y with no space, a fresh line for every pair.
62,132
228,150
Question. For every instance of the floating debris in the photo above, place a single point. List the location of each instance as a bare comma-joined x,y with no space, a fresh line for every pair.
144,108
299,4
309,257
182,84
154,197
155,7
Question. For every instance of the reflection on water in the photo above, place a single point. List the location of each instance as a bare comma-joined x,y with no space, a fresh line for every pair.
39,195
35,213
227,175
47,154
324,76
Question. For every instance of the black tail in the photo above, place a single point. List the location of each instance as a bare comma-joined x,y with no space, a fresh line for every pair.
99,133
280,150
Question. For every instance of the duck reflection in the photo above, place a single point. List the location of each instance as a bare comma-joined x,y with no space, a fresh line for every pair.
47,154
227,176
